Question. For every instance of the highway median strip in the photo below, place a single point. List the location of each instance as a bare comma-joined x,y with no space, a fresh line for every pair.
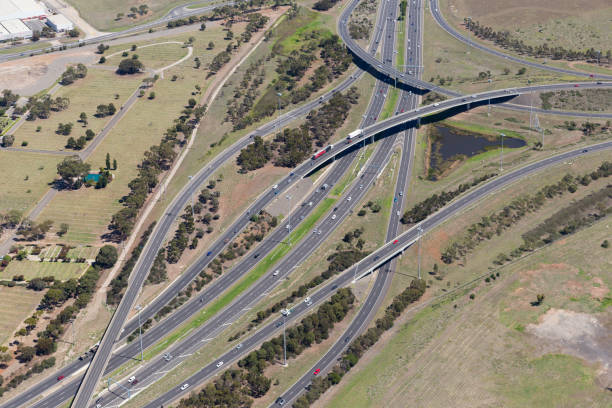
274,256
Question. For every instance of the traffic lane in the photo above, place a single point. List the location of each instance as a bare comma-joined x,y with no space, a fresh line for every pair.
442,22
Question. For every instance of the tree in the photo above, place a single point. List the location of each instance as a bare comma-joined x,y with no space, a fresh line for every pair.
5,358
522,71
83,118
539,299
8,140
119,16
63,229
45,346
72,170
605,244
152,95
108,162
107,256
102,48
134,46
26,354
130,66
211,45
203,27
74,33
102,60
89,134
114,164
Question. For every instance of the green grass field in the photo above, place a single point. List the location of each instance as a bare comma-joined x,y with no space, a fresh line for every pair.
153,56
484,340
445,56
88,211
98,87
27,47
25,178
17,304
103,14
31,269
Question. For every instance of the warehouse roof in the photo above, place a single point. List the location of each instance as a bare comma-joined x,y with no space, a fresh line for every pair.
15,26
10,9
59,20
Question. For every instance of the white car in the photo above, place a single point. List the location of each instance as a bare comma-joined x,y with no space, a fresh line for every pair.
276,272
131,379
348,198
184,387
307,299
274,187
334,217
219,364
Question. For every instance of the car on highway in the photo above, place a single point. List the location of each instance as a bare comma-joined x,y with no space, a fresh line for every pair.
280,401
276,272
576,86
274,187
307,299
219,364
167,357
348,198
401,193
239,346
184,387
436,104
285,312
60,378
334,217
131,379
317,371
395,242
209,253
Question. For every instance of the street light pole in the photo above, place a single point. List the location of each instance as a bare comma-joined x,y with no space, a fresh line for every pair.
192,210
289,211
420,230
501,154
138,307
279,114
284,341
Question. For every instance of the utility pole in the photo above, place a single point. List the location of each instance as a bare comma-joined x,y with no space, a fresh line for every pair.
284,338
192,210
279,112
289,212
420,230
501,154
139,308
72,327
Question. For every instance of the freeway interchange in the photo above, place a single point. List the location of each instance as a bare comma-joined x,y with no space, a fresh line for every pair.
385,130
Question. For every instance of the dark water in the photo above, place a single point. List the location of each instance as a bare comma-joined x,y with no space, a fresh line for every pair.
449,144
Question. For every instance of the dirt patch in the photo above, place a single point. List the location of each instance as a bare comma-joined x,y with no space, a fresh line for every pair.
28,76
578,334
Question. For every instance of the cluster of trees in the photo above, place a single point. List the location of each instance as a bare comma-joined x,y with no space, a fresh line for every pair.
64,128
72,170
515,211
41,107
323,5
178,244
245,95
430,205
506,40
73,73
570,219
105,110
18,379
256,22
8,98
157,159
219,61
202,280
130,66
31,231
120,282
158,273
237,387
10,219
362,343
292,146
361,28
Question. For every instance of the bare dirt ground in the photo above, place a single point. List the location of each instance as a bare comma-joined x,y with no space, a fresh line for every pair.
29,76
578,334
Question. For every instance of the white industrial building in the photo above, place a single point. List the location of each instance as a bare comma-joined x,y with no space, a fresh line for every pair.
59,22
16,28
21,9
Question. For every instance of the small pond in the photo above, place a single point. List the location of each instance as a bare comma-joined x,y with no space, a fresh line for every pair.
449,144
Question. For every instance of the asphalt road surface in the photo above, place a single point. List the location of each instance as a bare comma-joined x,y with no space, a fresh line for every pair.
368,264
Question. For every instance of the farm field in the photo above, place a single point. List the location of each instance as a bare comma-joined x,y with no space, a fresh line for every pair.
98,87
17,304
462,352
143,126
445,56
25,178
33,269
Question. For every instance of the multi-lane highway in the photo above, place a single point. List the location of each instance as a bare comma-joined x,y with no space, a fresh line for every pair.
174,209
435,11
408,101
372,262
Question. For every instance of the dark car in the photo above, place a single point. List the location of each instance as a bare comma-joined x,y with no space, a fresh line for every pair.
60,378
